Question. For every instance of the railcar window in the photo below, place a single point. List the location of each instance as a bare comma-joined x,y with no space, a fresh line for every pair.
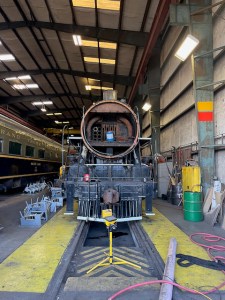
1,145
29,151
15,148
41,153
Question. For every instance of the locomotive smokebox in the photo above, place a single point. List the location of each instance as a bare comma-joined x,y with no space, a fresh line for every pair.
110,129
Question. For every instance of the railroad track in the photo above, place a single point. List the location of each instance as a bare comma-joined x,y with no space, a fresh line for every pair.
71,280
87,247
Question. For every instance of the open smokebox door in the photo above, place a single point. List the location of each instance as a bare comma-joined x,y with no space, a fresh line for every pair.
110,129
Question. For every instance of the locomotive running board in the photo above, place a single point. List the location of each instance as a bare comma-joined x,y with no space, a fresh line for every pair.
103,220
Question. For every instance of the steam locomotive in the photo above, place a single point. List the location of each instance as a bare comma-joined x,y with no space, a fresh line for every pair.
106,171
26,156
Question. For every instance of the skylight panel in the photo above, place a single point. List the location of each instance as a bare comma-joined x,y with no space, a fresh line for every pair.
101,4
103,45
102,60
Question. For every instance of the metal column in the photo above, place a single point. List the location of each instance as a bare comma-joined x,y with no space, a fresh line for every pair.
138,104
199,19
151,89
153,74
70,197
201,27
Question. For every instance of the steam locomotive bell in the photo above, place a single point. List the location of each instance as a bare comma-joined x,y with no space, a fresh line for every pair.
111,156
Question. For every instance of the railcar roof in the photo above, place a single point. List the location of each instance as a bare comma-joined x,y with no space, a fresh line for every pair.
7,123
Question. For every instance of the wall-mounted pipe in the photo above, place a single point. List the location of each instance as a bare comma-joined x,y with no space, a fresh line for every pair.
157,26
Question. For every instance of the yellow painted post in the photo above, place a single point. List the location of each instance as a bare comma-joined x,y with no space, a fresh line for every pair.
110,248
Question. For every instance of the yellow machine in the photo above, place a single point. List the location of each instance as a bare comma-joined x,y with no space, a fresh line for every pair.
106,213
111,224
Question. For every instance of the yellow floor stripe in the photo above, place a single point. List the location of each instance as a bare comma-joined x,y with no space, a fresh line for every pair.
31,267
161,230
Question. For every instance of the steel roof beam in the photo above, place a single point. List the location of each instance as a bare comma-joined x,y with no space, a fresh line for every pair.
119,79
18,99
135,38
59,131
52,124
39,112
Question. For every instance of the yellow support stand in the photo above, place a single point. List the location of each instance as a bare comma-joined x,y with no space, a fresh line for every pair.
111,259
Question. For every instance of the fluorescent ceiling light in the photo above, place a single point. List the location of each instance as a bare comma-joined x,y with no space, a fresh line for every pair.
77,40
93,79
101,4
32,86
43,109
64,122
37,103
146,106
105,88
88,87
6,57
19,77
20,86
187,47
10,78
53,114
96,87
104,45
102,60
24,77
48,102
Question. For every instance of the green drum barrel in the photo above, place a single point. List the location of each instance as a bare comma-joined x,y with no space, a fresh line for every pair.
193,206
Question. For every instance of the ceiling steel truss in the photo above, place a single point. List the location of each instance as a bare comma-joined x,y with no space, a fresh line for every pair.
39,35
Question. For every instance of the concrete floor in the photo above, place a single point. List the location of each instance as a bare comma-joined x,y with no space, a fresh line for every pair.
13,235
188,227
